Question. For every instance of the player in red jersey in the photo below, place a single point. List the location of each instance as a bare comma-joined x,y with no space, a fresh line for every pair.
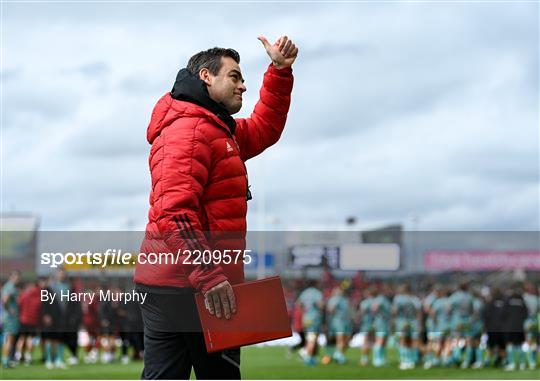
30,317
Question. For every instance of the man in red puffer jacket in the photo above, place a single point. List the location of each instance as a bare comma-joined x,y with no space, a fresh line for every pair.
198,203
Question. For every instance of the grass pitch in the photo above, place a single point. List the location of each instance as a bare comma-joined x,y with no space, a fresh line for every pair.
273,363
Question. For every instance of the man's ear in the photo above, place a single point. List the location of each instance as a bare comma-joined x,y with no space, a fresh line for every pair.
204,75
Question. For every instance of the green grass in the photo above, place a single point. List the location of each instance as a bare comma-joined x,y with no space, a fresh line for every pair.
272,363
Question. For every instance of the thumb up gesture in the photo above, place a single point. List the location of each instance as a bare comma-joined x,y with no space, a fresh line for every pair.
283,52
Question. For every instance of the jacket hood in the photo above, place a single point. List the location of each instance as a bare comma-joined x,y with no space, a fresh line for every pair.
188,90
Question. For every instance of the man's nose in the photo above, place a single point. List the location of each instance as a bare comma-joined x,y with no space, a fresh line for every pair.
243,88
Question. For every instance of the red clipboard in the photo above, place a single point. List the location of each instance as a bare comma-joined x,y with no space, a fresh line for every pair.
261,315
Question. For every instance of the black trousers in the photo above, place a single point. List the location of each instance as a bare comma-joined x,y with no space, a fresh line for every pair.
71,339
174,344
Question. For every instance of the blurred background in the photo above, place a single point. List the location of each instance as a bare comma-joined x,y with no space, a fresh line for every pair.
406,119
413,132
424,114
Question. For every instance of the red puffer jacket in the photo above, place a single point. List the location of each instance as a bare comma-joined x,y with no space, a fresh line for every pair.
199,184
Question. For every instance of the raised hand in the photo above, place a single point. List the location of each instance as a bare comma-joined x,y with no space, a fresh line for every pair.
283,53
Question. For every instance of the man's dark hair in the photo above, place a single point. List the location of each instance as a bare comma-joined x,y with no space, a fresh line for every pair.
211,60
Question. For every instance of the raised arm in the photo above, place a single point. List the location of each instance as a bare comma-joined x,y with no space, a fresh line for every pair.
265,125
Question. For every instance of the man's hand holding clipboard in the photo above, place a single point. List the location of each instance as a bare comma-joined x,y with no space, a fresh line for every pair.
262,315
221,295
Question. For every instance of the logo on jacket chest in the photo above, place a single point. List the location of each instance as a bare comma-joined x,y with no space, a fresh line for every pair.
229,147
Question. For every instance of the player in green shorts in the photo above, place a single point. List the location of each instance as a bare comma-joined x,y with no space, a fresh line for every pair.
442,309
477,329
339,323
311,301
429,327
462,303
10,321
439,326
382,312
532,301
406,309
367,327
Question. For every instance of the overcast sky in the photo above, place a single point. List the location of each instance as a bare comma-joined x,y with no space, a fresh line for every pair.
398,110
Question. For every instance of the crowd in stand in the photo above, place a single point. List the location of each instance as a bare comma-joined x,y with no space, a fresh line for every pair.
467,325
97,328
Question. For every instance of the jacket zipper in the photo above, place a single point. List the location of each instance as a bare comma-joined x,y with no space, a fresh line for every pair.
249,196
